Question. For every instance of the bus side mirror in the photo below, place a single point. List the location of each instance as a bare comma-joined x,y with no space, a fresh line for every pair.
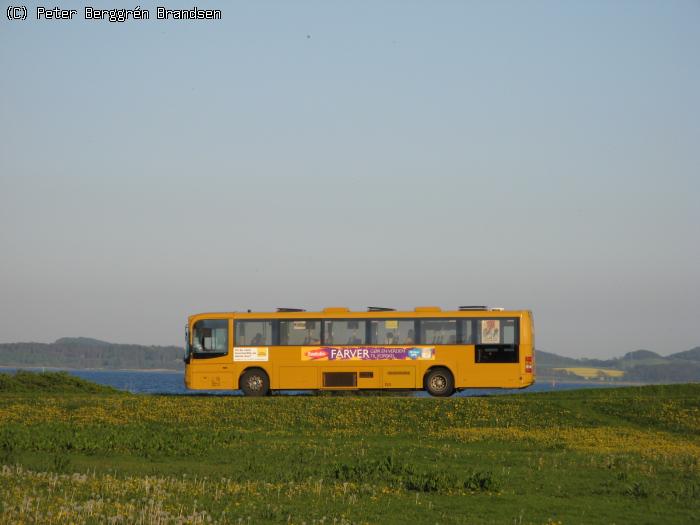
188,350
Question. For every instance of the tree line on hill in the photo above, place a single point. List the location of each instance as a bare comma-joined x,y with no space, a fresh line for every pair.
83,352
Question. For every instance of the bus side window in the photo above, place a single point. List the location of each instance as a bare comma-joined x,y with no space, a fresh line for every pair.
510,328
497,354
498,331
253,333
293,333
467,332
344,332
497,341
438,331
392,331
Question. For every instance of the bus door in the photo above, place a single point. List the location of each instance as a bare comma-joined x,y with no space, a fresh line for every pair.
208,356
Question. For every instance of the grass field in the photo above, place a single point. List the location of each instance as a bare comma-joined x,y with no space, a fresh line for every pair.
627,455
589,373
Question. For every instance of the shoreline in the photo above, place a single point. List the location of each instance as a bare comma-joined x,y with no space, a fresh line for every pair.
588,382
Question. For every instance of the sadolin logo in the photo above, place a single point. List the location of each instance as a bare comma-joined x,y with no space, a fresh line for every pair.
316,354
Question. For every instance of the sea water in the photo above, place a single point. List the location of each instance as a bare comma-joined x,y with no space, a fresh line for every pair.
165,382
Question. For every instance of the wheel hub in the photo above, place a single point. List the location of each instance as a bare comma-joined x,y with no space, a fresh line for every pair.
255,383
438,383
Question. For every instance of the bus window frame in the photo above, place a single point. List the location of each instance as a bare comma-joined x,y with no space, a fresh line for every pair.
274,331
461,325
335,319
477,332
480,347
419,332
193,354
368,337
277,339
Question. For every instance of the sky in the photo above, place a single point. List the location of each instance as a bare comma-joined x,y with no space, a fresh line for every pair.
535,155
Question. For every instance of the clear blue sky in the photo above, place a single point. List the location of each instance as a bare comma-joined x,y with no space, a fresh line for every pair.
541,155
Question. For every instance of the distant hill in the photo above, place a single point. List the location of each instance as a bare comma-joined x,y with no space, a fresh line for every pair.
81,341
691,355
673,372
642,366
83,352
641,354
549,360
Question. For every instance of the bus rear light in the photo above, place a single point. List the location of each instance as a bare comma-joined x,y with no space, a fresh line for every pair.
528,364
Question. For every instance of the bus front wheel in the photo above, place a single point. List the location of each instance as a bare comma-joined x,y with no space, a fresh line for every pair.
440,383
255,383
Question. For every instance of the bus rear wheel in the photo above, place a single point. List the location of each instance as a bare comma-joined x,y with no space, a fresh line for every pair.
440,383
254,383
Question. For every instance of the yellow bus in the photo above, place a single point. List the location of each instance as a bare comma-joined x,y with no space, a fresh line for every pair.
338,349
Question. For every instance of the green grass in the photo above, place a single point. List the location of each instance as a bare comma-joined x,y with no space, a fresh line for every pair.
627,455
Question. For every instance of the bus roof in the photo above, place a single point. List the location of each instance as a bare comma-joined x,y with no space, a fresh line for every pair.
372,313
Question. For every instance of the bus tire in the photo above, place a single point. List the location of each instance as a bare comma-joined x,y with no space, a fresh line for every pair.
439,382
254,383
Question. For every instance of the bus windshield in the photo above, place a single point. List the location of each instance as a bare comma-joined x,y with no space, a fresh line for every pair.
210,336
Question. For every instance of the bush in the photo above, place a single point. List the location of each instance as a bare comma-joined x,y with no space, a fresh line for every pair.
51,382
